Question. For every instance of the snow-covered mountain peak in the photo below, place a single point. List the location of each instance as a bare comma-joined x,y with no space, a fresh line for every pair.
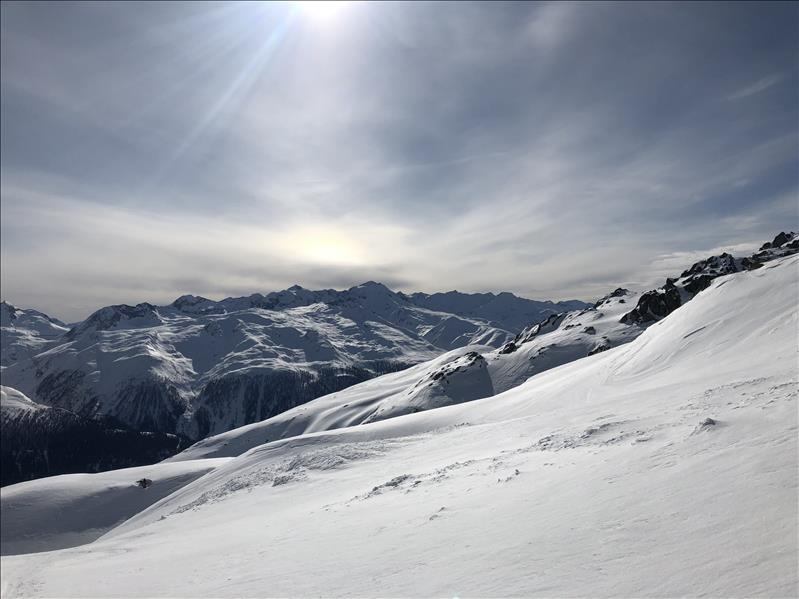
25,332
372,289
557,339
7,314
513,311
780,240
119,316
619,294
12,316
195,304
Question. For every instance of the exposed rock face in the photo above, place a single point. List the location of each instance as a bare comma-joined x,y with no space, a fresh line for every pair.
599,347
508,348
618,292
783,244
701,274
549,324
658,303
654,305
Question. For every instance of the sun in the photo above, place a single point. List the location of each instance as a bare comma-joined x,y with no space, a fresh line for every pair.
330,249
321,245
322,10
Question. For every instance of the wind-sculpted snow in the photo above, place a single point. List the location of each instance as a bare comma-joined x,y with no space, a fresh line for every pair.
666,466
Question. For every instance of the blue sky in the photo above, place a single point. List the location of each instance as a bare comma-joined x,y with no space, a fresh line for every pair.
555,150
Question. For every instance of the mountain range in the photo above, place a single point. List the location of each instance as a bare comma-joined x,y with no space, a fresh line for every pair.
642,446
164,376
197,367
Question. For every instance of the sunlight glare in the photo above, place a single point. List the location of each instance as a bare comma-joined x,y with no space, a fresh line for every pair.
321,245
322,10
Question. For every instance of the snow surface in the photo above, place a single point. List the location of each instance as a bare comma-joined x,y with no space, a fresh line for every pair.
75,509
13,401
663,467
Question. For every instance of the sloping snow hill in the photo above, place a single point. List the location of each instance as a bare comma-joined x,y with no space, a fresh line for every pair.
75,509
663,467
200,367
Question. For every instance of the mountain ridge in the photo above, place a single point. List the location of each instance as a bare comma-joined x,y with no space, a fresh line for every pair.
198,366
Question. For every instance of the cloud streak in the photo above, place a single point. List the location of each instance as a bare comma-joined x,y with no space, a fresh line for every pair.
757,87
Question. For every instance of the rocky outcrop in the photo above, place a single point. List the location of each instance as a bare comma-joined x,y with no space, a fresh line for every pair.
659,303
654,305
618,292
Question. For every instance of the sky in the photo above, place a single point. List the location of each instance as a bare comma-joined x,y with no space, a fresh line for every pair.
555,150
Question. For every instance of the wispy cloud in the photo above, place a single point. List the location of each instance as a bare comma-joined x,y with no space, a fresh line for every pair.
758,86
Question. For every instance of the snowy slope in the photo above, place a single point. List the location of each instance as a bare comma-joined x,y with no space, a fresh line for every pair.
14,403
75,509
355,405
199,367
663,467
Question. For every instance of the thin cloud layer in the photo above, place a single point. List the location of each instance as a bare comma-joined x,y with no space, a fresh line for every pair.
554,150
